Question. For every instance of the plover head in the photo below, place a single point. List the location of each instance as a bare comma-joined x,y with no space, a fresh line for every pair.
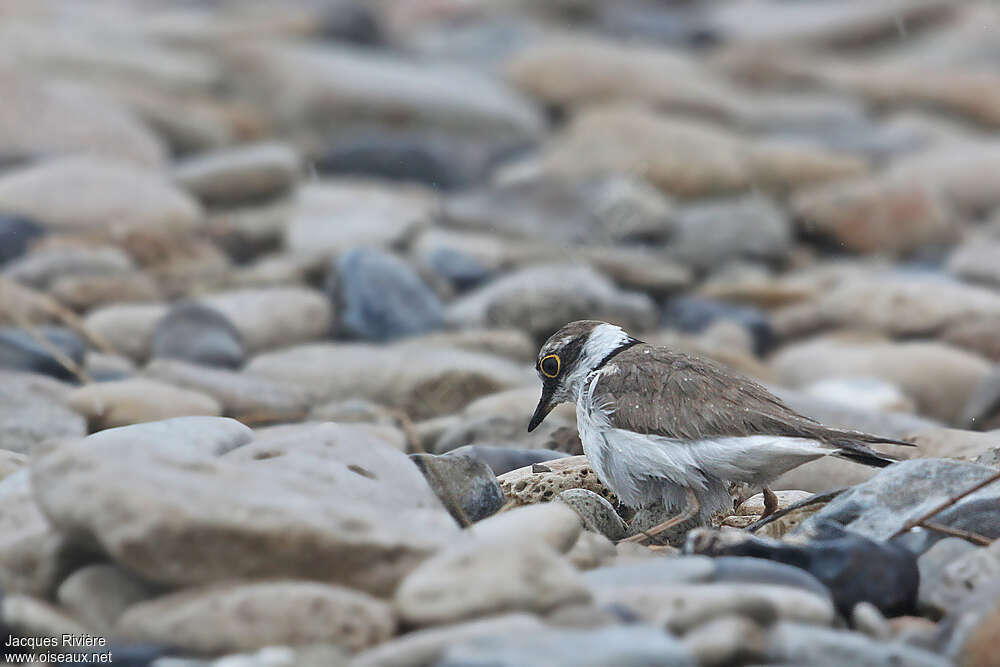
569,356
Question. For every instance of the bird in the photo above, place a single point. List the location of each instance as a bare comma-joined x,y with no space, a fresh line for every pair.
658,425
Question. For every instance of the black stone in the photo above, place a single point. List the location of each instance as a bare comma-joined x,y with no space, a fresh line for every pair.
854,567
198,334
19,350
16,236
379,297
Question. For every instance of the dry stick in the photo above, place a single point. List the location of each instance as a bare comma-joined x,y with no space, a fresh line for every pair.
913,523
975,538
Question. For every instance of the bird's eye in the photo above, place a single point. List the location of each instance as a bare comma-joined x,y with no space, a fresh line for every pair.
550,366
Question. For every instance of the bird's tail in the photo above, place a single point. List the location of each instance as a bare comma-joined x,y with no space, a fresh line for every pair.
852,451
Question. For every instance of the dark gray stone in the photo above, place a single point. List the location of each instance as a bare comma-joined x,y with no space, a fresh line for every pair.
627,646
693,314
466,485
16,235
854,568
906,491
505,459
379,297
352,22
19,350
197,333
597,514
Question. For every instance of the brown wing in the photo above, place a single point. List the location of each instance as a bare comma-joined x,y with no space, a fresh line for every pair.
658,391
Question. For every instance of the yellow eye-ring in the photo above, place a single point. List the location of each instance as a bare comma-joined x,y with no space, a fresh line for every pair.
550,365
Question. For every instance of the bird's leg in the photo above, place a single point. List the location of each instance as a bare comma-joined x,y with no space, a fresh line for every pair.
694,506
770,503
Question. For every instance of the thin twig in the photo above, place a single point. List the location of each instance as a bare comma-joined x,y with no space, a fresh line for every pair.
913,523
826,496
975,538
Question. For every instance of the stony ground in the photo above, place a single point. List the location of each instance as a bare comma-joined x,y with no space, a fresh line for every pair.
303,254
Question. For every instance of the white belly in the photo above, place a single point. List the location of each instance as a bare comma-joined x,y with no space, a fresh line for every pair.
645,469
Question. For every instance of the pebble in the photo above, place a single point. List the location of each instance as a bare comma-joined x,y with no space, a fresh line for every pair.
951,571
97,193
250,172
465,485
99,594
34,408
274,316
127,327
695,315
249,616
423,381
636,646
194,332
136,400
250,399
551,524
485,577
423,648
502,460
366,214
967,635
379,297
541,299
596,512
797,643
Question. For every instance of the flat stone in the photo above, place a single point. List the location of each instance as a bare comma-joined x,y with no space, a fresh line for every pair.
83,293
543,298
239,174
530,485
333,216
466,486
97,194
509,429
131,401
506,342
635,646
194,332
423,381
248,616
504,459
274,317
47,264
658,571
480,578
244,397
326,502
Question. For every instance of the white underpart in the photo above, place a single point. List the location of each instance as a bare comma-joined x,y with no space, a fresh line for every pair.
644,469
